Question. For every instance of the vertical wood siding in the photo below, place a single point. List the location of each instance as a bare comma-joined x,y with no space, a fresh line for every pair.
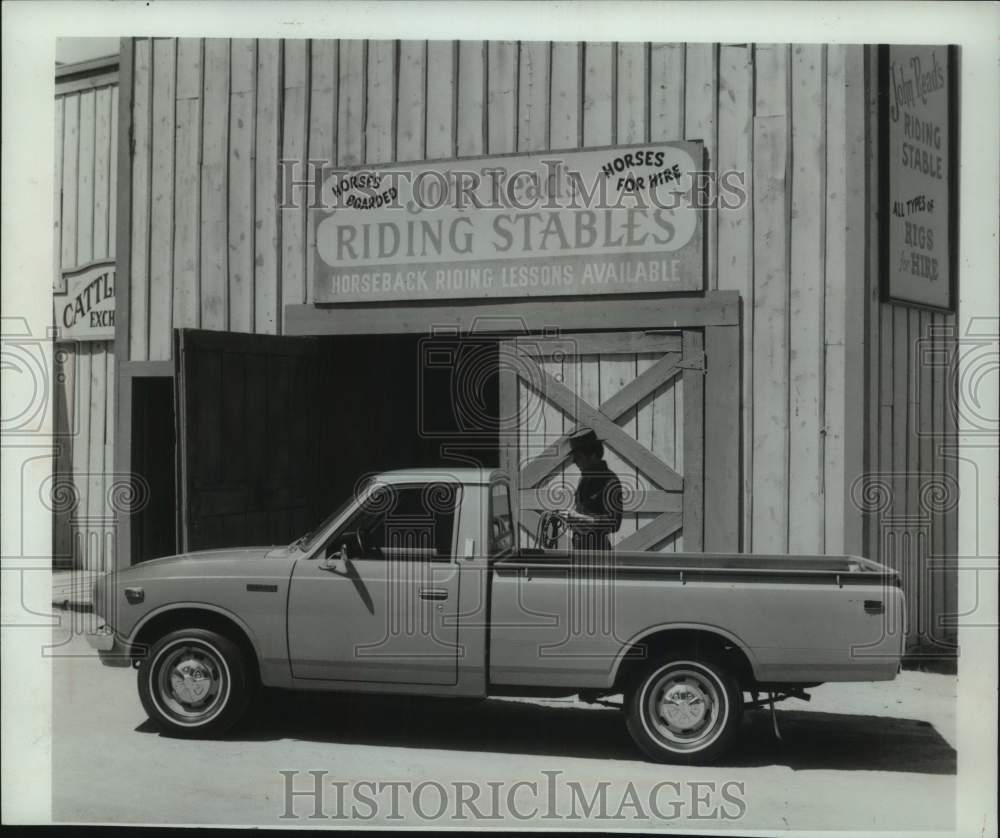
86,160
774,117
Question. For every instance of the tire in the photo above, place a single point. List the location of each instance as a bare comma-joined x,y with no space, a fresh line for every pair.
701,721
173,689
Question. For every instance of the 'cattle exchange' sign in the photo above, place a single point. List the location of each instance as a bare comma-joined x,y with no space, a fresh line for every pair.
86,310
574,222
917,195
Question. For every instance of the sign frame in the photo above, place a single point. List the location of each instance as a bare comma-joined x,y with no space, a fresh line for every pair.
890,291
319,175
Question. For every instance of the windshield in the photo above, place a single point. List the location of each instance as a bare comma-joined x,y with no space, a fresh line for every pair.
306,542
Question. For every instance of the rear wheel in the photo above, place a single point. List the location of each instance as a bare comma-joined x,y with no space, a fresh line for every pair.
195,682
684,710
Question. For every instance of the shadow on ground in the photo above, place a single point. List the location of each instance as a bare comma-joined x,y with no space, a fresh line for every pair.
810,740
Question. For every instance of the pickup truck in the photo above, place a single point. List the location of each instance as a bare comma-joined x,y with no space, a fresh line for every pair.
417,585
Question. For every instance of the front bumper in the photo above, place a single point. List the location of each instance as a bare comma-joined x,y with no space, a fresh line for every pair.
110,650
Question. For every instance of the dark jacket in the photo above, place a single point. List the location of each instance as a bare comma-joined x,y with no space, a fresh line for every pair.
599,493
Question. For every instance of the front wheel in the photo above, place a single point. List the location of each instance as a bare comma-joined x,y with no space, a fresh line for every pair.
194,682
684,710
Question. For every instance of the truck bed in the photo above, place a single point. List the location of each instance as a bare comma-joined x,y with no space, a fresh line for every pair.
843,570
561,618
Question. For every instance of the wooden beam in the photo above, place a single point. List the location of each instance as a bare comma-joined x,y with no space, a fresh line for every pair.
694,447
614,408
723,439
653,533
608,343
612,435
123,255
602,312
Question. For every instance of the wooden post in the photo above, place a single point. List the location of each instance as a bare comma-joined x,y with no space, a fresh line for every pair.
723,439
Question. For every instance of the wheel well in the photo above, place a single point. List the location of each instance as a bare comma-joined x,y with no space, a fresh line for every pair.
168,621
699,643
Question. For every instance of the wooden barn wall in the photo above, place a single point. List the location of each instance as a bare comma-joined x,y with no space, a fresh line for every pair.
211,249
910,497
84,230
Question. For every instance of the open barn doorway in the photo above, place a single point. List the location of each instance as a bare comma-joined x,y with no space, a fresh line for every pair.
274,432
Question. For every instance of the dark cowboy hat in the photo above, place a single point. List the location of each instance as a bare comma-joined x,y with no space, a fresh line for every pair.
583,438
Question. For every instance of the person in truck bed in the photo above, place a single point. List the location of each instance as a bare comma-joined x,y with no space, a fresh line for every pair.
597,506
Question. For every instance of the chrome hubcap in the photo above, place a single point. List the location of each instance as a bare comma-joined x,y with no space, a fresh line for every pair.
191,682
685,708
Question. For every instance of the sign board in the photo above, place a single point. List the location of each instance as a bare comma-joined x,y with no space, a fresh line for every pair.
918,198
86,309
595,221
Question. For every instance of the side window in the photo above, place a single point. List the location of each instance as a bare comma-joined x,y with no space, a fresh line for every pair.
405,523
501,522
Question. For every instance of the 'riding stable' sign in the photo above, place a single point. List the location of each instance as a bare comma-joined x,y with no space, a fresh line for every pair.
918,182
594,221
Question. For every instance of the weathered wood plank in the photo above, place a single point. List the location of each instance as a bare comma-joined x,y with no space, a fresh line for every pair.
508,436
806,503
57,189
834,305
694,446
161,245
632,93
113,176
81,448
85,180
701,98
607,343
722,439
187,185
565,123
857,197
214,185
501,96
718,309
471,107
666,94
138,338
772,80
380,110
770,332
414,101
70,168
598,93
533,106
644,435
616,371
102,172
95,453
294,154
735,248
267,187
441,99
240,264
351,103
324,70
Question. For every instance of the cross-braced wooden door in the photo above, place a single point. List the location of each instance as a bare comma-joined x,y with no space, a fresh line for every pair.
643,393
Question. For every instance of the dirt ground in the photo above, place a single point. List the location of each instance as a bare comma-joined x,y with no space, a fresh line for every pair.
858,756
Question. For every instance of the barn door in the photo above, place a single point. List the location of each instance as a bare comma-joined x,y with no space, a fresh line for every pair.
643,393
247,434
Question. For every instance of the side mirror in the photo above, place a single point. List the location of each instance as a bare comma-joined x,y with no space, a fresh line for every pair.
338,558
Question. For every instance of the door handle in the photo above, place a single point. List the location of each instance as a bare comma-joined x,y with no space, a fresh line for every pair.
432,593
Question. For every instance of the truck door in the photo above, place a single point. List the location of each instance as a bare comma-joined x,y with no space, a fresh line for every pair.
390,614
248,414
